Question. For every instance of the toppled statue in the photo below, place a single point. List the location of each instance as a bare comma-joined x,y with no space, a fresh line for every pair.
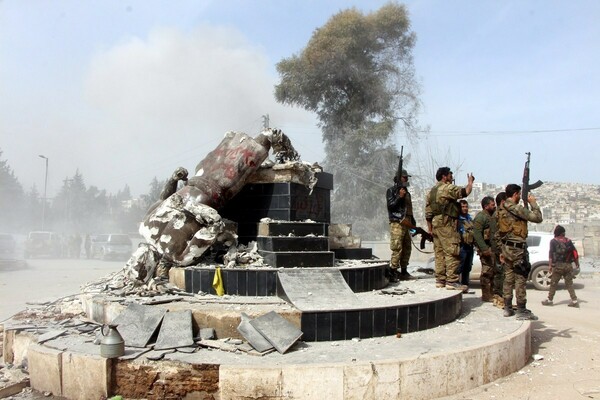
185,223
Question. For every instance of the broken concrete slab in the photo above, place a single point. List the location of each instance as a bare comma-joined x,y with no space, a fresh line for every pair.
50,335
317,289
277,330
137,323
188,349
248,349
252,335
175,331
218,344
206,333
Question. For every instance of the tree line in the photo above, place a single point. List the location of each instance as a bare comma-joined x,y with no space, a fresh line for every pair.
76,208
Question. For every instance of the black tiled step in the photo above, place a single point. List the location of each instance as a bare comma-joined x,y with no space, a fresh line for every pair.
298,259
292,243
386,321
353,254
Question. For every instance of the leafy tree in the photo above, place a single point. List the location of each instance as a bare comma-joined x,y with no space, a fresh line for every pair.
357,74
11,198
153,195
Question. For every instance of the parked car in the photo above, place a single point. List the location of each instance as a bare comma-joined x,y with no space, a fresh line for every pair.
111,246
538,244
7,246
42,244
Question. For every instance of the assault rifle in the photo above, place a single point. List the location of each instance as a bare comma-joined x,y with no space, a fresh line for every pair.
425,236
526,186
399,172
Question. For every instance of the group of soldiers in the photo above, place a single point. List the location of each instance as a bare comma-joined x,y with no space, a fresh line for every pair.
499,231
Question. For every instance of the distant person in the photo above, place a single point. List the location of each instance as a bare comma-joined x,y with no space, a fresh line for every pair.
87,246
484,230
465,229
76,245
441,213
399,205
561,258
512,228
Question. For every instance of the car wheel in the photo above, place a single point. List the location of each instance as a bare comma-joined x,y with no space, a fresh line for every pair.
540,277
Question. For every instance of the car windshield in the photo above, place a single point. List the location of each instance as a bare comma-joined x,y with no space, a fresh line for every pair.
101,238
120,239
5,237
39,235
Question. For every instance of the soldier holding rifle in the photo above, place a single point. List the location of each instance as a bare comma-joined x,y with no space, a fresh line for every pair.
512,229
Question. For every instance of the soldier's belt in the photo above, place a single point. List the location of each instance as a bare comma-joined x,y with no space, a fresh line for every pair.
516,245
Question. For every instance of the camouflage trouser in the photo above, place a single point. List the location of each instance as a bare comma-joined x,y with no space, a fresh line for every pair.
400,244
562,270
446,246
513,280
487,278
498,277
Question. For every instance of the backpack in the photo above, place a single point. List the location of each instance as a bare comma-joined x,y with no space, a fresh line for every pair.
564,250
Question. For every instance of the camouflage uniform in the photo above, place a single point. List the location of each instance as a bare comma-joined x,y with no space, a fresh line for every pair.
499,266
561,255
484,228
512,226
441,208
400,240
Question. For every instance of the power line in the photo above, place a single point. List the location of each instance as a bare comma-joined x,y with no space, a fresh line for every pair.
518,132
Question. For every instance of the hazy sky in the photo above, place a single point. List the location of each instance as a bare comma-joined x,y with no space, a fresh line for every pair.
128,90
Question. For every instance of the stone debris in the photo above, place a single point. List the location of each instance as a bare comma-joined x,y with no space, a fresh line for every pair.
396,291
50,335
218,344
281,333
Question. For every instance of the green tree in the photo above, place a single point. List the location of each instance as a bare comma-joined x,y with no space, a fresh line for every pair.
11,198
357,74
153,194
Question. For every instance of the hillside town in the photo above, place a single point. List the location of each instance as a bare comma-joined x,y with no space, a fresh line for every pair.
573,205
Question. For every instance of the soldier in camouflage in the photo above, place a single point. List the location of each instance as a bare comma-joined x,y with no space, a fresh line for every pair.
484,228
562,255
399,205
499,273
512,228
441,213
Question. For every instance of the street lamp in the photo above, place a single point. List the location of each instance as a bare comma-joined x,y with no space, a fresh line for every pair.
45,188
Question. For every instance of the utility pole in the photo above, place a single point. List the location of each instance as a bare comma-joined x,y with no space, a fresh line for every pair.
45,192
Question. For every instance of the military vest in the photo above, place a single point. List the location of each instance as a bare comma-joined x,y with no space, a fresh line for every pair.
466,232
510,223
563,250
450,208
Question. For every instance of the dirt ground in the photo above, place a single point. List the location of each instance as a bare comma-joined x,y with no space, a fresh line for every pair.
565,344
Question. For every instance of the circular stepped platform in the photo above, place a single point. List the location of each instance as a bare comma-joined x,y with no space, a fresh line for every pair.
332,319
479,347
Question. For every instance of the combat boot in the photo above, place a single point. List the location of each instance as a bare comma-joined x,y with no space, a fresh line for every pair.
405,276
523,314
392,274
508,310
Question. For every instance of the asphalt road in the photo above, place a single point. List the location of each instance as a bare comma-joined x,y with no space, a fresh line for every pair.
39,280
